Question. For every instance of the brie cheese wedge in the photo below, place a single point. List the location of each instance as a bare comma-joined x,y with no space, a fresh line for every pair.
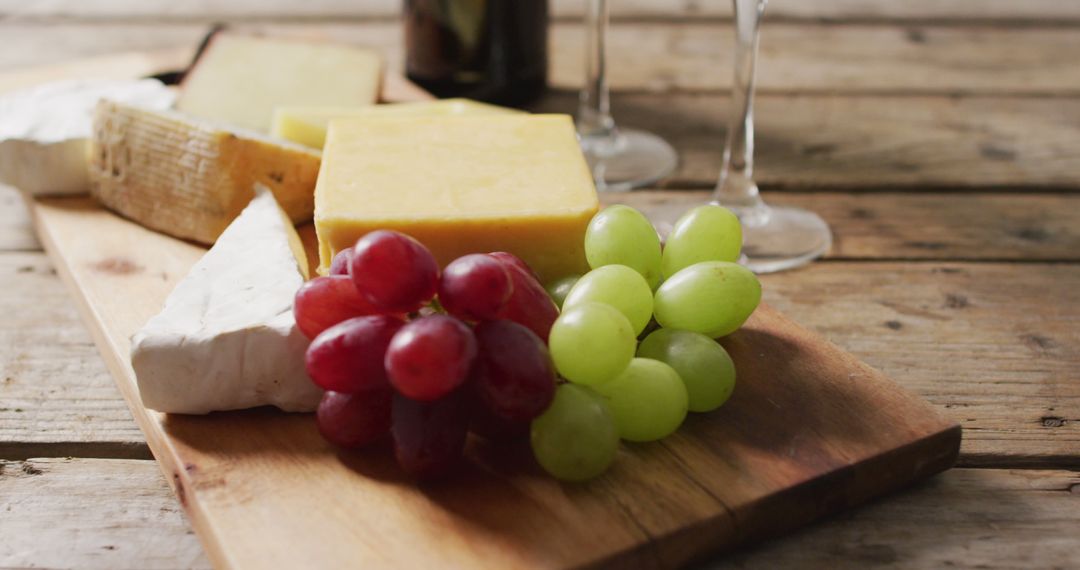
226,338
45,131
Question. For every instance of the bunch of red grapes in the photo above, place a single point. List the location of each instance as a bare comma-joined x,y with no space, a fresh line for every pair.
421,356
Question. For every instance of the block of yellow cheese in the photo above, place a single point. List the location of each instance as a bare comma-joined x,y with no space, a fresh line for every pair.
240,79
517,183
307,125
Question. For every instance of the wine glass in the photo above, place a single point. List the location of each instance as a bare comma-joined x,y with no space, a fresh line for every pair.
774,238
620,159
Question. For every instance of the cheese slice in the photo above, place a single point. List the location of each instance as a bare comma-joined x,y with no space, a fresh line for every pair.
190,178
460,185
226,338
240,79
45,131
307,125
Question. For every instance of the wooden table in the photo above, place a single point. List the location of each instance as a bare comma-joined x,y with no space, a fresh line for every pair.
940,140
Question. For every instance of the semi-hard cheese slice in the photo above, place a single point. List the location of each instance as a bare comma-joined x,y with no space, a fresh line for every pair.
45,131
307,125
226,338
460,185
190,178
240,79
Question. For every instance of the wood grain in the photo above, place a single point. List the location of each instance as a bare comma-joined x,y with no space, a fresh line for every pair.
92,514
718,482
966,518
56,397
795,57
336,10
995,519
853,143
16,232
996,345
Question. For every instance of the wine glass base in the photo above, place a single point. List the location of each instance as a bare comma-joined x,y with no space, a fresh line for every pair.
774,238
631,159
781,238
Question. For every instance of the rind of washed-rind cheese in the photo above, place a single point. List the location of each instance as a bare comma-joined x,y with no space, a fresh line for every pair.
239,79
307,125
460,185
190,178
226,338
45,130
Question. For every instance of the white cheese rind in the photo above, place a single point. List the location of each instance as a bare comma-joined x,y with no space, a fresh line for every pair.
226,338
45,131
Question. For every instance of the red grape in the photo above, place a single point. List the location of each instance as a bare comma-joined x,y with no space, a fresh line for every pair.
475,287
340,264
354,420
430,357
429,437
514,376
511,259
394,271
326,301
348,357
529,304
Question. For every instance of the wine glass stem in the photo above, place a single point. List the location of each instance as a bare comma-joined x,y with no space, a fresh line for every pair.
736,188
594,108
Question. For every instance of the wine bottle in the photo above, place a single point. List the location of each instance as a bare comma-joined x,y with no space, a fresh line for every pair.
488,50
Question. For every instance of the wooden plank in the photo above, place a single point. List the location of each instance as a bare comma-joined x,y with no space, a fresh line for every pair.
994,519
56,397
656,507
996,345
831,10
1003,367
875,225
686,57
966,518
16,232
92,514
917,226
108,66
831,58
868,143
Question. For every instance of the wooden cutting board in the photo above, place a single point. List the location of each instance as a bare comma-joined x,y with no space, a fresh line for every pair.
809,431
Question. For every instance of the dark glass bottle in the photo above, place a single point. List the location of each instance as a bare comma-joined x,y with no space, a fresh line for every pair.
488,50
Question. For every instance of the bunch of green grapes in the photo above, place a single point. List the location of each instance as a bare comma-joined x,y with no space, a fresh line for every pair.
677,299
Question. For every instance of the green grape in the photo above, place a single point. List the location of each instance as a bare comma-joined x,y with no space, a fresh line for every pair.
559,289
706,233
618,286
621,235
703,365
712,297
575,438
648,400
591,343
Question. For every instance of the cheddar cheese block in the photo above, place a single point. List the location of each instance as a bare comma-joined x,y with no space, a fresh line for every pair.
240,79
460,185
190,178
307,125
